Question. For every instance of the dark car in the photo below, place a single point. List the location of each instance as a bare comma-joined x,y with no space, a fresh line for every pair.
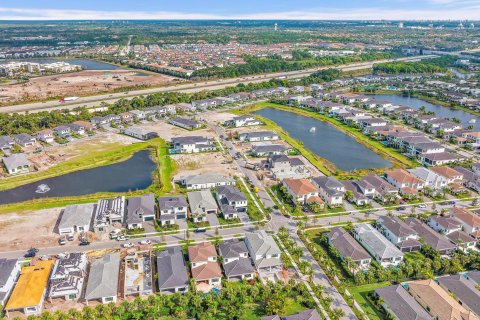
30,254
84,243
401,208
198,230
451,202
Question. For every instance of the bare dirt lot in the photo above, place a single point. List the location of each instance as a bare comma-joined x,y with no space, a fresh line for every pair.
167,131
21,231
78,84
204,163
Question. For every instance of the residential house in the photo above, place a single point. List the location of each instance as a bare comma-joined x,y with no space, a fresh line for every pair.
260,149
384,191
399,233
68,275
258,136
16,163
24,140
330,190
77,128
102,284
383,251
139,210
283,167
235,261
204,265
444,224
98,121
434,239
173,276
31,287
172,208
63,131
6,143
201,203
194,144
126,117
263,250
404,181
108,212
302,191
348,247
231,201
470,179
462,290
448,173
9,273
373,122
430,178
139,115
463,240
311,314
138,273
140,133
439,159
397,302
243,121
469,220
205,181
185,123
358,192
76,218
45,135
438,303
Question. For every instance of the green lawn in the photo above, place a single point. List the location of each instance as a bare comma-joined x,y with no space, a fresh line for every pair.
360,295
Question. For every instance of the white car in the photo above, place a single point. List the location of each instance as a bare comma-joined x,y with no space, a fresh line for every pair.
145,242
423,206
127,245
122,238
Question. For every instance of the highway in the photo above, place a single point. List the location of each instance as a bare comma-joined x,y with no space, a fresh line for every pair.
94,101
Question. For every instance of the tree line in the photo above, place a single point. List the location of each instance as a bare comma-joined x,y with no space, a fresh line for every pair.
33,122
426,66
235,301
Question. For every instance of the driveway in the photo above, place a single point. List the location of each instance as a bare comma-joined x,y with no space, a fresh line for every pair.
213,220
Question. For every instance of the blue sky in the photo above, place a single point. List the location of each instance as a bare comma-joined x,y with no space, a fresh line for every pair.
240,9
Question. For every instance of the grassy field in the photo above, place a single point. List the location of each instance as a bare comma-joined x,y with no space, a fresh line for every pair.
323,165
360,295
162,177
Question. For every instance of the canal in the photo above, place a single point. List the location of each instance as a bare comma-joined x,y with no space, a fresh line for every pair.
440,111
85,63
327,141
129,175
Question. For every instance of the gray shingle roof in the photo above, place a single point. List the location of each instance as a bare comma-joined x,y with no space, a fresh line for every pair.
432,238
396,226
103,277
15,160
238,267
401,303
232,248
77,215
231,193
172,271
138,207
382,248
304,315
200,200
206,178
6,268
347,245
329,185
170,202
464,290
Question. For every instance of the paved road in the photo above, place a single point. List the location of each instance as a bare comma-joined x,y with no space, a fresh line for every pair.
94,101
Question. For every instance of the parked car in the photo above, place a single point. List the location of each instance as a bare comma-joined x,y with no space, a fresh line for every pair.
451,202
84,243
145,242
62,241
200,230
423,206
122,238
30,254
70,237
127,245
45,257
401,208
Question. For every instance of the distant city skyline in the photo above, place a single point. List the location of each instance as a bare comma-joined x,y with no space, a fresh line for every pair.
245,9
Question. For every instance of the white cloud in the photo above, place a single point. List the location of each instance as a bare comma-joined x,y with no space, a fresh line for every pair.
458,13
